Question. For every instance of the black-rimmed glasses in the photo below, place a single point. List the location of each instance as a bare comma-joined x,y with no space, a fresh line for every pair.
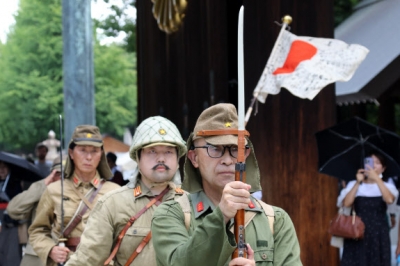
219,151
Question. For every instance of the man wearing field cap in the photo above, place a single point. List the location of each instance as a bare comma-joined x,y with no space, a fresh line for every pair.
196,228
23,207
86,172
118,230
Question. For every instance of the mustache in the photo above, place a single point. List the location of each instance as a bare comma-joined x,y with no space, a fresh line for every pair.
160,164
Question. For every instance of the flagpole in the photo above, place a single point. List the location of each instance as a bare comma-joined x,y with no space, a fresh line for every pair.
286,20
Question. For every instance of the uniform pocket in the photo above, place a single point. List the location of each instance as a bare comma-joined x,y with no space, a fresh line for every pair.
264,255
134,235
137,231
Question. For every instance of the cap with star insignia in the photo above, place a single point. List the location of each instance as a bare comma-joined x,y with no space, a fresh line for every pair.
87,135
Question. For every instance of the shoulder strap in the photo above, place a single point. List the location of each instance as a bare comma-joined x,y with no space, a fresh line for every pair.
248,216
269,212
77,219
139,249
130,222
83,198
185,205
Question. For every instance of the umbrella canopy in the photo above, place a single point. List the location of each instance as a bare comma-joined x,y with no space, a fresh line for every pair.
342,148
21,168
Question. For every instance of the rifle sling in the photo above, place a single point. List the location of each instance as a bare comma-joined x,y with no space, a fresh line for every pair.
77,219
129,224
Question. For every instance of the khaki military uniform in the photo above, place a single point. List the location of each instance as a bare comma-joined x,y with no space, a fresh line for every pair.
45,229
109,217
23,207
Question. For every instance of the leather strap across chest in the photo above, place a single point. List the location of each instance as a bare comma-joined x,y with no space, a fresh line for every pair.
129,224
78,218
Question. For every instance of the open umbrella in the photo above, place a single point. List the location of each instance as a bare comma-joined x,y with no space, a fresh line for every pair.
342,148
21,168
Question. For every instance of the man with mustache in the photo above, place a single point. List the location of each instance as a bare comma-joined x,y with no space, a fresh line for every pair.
118,230
195,229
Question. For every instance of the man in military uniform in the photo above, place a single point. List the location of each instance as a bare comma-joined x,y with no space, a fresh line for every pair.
85,173
124,215
23,207
196,228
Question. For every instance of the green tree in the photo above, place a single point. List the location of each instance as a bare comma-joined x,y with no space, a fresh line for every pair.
31,79
119,22
343,9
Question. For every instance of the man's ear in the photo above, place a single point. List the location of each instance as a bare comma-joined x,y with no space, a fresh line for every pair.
192,156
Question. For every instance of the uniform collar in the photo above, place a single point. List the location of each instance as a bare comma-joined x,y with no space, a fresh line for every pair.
141,190
95,180
201,204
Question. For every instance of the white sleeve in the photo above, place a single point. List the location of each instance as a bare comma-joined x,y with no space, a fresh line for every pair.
392,188
344,192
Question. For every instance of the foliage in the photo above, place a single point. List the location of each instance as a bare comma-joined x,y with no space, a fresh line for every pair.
31,79
118,22
115,88
343,9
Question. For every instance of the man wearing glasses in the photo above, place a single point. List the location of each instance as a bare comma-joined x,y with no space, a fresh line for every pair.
196,228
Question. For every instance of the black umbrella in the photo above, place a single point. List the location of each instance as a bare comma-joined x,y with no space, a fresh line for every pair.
342,148
21,168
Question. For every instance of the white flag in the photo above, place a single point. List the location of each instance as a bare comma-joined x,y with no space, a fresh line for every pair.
305,65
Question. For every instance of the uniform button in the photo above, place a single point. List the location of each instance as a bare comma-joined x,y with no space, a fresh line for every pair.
264,256
135,232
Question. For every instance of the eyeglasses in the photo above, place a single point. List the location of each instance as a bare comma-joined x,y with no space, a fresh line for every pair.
219,151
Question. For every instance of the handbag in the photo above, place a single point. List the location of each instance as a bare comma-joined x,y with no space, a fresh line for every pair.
347,226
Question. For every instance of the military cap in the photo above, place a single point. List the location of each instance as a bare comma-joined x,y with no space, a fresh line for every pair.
87,135
217,117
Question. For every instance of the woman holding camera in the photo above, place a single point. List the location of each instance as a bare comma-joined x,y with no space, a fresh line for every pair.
369,195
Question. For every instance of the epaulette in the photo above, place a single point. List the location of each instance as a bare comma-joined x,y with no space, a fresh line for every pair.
137,191
179,191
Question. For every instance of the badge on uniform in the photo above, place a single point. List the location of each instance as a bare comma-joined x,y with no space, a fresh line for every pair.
137,191
200,206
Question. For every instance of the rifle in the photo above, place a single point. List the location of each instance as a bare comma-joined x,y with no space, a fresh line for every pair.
62,239
240,167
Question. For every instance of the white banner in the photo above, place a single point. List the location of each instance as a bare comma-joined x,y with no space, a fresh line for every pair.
305,65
